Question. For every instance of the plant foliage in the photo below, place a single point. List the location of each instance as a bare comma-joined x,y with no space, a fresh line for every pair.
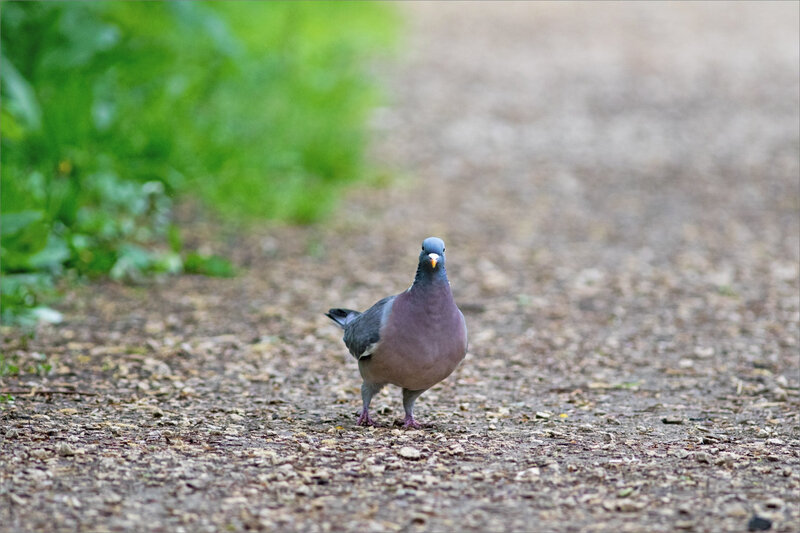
111,109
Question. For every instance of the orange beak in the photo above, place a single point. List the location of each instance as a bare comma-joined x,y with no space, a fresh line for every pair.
434,259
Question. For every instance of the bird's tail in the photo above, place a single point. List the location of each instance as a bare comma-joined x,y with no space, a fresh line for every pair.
342,316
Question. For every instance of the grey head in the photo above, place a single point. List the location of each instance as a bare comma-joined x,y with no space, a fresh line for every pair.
431,258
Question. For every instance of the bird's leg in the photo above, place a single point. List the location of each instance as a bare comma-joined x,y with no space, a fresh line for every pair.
409,397
368,390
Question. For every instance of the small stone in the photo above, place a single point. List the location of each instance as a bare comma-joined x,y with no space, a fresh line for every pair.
196,483
624,506
456,449
418,519
65,450
39,453
774,503
672,420
407,452
727,459
779,394
703,457
703,352
543,415
629,506
530,474
759,523
736,510
12,433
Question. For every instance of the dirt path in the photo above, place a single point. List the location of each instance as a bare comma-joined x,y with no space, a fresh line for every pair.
618,188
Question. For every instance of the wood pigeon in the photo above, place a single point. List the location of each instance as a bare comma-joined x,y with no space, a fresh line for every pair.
412,340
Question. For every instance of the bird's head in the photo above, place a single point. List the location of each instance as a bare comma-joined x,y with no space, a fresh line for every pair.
431,258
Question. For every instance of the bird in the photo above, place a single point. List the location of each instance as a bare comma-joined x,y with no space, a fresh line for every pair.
412,340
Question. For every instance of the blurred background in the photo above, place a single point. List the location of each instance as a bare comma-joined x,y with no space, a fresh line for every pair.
570,139
112,110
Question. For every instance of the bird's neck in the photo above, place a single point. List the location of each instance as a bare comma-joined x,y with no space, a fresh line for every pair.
426,278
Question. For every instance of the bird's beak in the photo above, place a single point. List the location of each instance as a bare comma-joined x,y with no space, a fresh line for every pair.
434,259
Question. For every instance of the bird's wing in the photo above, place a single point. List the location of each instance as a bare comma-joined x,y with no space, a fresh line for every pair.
466,333
362,335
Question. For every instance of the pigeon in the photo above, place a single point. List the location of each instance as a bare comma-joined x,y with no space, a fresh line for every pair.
412,340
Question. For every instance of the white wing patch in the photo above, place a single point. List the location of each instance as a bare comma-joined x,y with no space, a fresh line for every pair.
371,348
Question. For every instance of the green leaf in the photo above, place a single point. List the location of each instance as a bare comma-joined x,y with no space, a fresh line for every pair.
12,129
168,263
132,262
208,265
52,256
19,97
13,223
174,238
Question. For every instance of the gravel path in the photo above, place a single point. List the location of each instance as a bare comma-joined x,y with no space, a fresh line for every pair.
618,188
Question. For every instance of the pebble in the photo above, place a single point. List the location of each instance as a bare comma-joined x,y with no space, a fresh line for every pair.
736,510
65,450
456,449
407,452
774,503
39,453
759,523
703,457
530,474
779,394
727,459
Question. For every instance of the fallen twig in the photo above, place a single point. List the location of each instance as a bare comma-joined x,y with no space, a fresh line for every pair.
46,391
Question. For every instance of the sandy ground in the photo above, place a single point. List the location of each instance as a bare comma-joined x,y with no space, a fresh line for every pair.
618,186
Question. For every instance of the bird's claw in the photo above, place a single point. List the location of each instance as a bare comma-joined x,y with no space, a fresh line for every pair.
365,420
410,423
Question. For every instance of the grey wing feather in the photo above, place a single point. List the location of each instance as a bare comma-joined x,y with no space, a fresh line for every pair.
362,335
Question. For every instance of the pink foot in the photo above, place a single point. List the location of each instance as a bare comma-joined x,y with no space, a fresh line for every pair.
364,419
409,422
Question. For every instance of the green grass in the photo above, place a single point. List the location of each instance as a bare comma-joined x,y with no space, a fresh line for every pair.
111,110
